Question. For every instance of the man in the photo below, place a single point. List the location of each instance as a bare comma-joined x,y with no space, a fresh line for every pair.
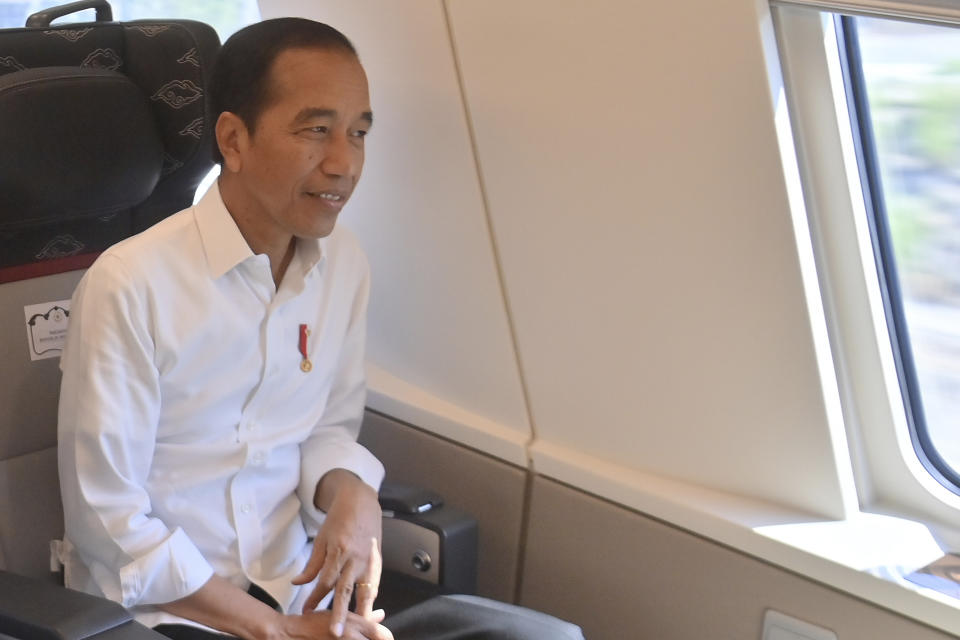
213,381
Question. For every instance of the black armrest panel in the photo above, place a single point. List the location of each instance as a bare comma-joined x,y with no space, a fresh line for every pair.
33,609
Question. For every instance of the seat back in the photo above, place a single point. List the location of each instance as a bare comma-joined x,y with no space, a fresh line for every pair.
88,199
104,130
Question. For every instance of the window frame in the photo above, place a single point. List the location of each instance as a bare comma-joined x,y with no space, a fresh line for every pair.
861,123
890,477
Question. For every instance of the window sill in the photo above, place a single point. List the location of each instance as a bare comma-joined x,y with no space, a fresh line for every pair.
865,555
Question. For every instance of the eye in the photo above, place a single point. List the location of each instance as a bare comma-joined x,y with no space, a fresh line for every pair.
360,133
319,129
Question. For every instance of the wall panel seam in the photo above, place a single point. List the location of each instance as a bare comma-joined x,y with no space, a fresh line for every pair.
471,132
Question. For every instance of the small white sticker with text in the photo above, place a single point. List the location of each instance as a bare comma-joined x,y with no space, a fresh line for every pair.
47,328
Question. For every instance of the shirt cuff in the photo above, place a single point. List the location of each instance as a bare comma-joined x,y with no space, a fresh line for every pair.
315,463
172,570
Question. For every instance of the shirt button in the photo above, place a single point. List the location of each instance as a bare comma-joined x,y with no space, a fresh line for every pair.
258,458
245,508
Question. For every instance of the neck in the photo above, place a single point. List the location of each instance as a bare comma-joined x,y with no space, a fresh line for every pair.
279,267
257,229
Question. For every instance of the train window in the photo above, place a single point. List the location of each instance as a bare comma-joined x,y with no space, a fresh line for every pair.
226,16
903,84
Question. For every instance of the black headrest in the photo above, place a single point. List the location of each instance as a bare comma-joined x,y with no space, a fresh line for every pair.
90,145
104,130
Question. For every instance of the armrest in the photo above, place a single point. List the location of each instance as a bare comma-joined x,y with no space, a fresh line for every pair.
408,499
31,608
427,540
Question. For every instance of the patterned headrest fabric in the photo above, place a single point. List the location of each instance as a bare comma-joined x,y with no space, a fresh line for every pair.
133,108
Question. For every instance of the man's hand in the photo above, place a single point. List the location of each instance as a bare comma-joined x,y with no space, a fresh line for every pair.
224,606
316,625
346,551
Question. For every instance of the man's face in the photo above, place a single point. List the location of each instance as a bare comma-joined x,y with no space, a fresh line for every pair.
306,152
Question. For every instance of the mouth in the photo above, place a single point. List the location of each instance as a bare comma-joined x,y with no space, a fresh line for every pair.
332,197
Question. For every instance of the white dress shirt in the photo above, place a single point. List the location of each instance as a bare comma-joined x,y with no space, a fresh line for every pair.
191,441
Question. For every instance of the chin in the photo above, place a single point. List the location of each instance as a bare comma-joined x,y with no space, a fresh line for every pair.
320,230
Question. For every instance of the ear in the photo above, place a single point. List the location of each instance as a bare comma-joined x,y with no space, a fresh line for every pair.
232,139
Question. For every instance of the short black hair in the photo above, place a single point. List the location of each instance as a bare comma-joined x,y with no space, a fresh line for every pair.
240,82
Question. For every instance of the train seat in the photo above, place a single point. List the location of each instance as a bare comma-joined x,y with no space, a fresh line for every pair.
103,132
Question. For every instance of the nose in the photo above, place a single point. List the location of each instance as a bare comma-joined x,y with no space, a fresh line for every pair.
341,158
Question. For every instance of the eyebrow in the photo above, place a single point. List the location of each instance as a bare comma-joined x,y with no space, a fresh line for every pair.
309,113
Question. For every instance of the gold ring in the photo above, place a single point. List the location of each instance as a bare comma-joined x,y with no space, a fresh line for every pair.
368,585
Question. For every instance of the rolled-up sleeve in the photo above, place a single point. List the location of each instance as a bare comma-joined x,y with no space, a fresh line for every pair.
108,417
333,441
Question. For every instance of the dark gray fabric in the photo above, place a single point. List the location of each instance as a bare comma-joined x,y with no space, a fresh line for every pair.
32,514
34,609
186,632
474,618
447,618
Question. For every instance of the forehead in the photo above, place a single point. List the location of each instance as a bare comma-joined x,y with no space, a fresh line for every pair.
320,78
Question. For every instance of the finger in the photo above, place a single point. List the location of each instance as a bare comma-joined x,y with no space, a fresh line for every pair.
316,596
312,568
376,633
380,632
369,584
332,568
366,594
369,628
353,632
341,600
327,577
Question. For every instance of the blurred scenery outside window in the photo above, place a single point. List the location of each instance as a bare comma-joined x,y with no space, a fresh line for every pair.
912,73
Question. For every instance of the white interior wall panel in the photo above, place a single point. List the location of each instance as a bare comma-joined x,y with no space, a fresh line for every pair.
437,319
637,198
634,184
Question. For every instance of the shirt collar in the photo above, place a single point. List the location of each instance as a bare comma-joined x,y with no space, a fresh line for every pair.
224,245
311,253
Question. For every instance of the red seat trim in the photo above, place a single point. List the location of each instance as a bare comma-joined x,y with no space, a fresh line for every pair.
47,267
